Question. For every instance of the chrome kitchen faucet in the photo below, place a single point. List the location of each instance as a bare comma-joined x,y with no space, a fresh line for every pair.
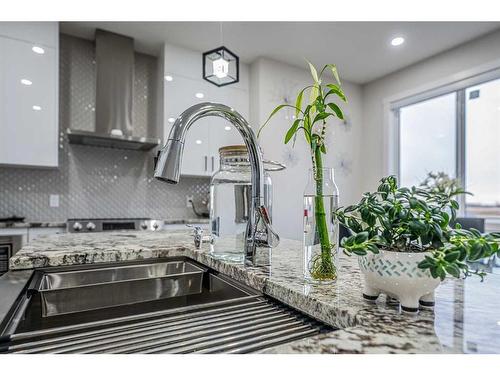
259,232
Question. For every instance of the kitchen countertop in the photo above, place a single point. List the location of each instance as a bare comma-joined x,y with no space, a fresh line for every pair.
62,224
466,317
34,224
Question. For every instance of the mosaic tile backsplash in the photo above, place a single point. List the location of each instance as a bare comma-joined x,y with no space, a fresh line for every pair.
97,181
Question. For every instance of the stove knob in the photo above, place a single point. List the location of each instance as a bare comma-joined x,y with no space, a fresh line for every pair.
90,226
155,226
77,227
144,226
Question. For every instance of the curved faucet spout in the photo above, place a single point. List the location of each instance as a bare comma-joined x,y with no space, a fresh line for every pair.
259,231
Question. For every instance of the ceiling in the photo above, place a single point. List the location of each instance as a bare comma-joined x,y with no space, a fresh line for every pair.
361,50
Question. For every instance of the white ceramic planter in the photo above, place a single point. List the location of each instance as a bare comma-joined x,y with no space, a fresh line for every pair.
397,275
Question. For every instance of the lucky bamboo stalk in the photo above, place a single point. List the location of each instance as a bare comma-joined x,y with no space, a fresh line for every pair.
312,120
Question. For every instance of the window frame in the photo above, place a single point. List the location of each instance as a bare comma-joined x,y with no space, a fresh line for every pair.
459,87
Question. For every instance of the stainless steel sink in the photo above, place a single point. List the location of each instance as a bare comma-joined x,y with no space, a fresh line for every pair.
91,289
221,316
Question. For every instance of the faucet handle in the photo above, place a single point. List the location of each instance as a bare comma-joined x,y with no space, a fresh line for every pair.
199,238
196,228
267,237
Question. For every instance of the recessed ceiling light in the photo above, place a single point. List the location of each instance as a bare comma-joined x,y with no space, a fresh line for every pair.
397,41
26,82
171,120
38,50
227,128
199,95
36,108
199,142
169,78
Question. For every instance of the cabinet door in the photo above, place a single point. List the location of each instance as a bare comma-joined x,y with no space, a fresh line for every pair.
45,34
180,94
223,133
28,112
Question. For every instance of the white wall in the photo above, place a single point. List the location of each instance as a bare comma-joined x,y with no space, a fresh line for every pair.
461,62
270,83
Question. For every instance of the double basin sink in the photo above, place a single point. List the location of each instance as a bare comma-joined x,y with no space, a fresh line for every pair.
91,289
163,306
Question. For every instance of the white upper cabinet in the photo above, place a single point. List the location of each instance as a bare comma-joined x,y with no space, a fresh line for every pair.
223,133
180,94
29,94
186,88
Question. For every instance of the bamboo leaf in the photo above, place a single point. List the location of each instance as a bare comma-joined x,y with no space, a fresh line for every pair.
314,73
292,131
312,97
322,116
307,134
335,73
334,89
275,110
335,108
298,102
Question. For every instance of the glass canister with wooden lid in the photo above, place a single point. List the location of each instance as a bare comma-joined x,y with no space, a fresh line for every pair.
230,199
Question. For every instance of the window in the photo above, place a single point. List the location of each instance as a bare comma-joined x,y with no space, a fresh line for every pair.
427,139
482,149
457,132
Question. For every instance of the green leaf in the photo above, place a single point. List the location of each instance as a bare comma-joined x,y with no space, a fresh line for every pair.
313,94
452,257
275,110
314,73
413,202
359,252
424,264
335,73
475,251
335,108
321,116
453,270
373,248
334,89
298,102
292,131
361,237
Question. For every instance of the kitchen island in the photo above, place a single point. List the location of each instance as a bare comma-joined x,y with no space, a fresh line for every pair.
465,319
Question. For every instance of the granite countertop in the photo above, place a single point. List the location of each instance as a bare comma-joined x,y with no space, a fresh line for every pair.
62,224
34,224
466,317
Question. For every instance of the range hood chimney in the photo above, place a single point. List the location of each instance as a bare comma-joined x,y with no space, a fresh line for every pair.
115,60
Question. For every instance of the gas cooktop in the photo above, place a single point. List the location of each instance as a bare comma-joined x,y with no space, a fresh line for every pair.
101,225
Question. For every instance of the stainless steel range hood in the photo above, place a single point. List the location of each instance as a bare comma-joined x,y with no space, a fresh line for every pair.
115,62
126,142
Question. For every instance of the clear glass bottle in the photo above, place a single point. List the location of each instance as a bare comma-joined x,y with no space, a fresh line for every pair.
321,229
230,199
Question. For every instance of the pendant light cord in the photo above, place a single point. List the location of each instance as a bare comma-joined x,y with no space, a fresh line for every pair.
221,34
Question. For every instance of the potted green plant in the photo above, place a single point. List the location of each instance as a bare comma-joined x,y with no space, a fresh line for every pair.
321,195
406,245
441,182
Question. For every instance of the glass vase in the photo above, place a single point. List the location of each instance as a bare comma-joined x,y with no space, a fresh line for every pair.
321,199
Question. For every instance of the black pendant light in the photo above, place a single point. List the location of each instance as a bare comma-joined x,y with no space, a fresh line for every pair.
221,66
